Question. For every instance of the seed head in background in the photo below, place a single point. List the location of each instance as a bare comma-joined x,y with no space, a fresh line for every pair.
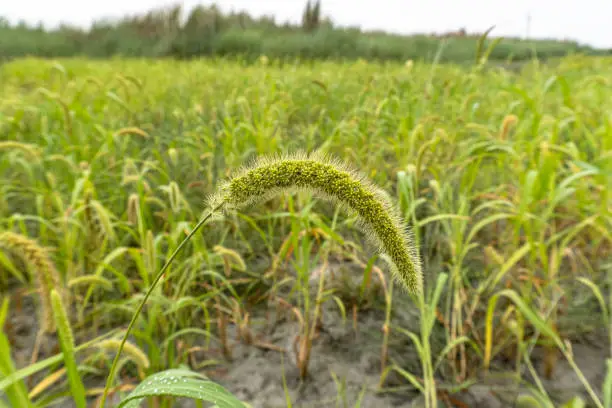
43,270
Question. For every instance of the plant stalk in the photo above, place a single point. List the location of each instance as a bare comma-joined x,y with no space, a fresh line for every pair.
111,375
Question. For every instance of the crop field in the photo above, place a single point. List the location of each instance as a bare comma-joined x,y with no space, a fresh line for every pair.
502,178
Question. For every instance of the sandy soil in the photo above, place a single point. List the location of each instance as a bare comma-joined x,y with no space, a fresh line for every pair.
255,372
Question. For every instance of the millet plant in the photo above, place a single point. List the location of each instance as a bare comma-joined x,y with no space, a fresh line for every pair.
327,178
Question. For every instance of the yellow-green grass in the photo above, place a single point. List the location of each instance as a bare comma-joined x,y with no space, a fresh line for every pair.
503,178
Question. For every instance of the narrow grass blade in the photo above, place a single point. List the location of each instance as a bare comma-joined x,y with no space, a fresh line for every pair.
25,372
600,298
17,393
607,385
516,256
575,402
527,312
66,340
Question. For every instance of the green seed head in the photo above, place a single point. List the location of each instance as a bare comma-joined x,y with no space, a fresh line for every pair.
331,180
31,150
61,321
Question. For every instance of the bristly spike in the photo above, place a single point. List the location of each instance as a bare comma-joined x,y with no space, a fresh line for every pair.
330,179
43,269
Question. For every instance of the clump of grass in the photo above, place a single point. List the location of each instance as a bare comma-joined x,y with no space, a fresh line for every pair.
45,273
333,180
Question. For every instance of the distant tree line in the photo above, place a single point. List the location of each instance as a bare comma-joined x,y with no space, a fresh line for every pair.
206,31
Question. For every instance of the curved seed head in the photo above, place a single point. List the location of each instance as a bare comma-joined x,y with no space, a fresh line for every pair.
136,354
62,323
335,181
42,268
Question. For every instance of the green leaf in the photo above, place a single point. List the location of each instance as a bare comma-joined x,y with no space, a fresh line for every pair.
483,223
16,393
527,401
4,311
407,375
451,345
66,341
607,385
341,307
600,298
181,383
27,371
526,311
439,217
516,256
4,261
108,259
430,316
367,273
540,324
575,402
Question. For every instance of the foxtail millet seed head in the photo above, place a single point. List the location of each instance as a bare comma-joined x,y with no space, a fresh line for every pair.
332,180
136,354
61,320
47,277
32,150
132,209
508,121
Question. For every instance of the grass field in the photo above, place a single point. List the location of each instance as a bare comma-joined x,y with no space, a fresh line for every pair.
502,177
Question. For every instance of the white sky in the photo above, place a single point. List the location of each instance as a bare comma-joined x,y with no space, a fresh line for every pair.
587,21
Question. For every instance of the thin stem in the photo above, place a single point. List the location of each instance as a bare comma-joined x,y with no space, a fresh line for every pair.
609,322
535,376
430,393
581,377
111,375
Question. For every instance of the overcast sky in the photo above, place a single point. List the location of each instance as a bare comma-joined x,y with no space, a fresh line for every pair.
588,21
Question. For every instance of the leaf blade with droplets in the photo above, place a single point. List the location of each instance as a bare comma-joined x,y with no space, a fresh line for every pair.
181,383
